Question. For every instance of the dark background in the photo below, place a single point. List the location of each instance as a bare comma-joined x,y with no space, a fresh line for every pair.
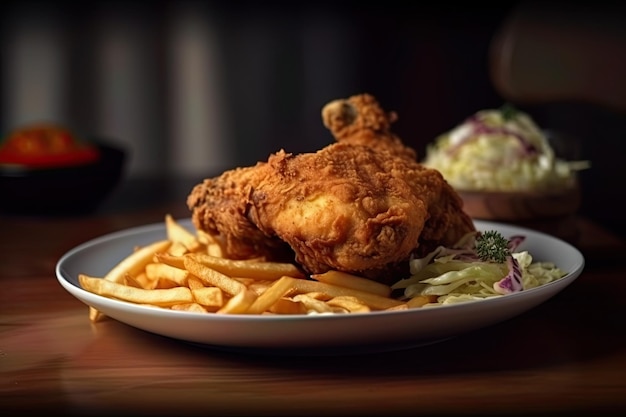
429,62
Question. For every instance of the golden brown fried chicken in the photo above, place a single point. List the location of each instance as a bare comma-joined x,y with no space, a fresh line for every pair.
362,205
221,205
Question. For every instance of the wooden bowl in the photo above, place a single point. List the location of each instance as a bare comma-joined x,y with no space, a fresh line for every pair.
552,212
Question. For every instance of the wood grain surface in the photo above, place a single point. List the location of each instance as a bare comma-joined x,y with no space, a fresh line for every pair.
566,356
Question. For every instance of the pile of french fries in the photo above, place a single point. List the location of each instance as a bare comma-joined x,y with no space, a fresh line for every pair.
188,271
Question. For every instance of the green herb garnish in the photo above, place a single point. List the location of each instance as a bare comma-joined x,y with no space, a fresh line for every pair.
508,111
492,246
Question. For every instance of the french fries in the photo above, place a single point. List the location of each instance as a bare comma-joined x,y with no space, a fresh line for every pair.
137,261
343,279
272,294
242,268
177,234
157,297
212,277
187,271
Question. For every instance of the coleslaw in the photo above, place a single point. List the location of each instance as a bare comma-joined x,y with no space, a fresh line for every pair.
500,150
473,270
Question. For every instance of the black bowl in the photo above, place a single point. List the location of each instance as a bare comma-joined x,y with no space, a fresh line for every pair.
67,190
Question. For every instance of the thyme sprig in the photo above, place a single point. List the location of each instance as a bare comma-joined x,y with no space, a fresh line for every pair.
491,246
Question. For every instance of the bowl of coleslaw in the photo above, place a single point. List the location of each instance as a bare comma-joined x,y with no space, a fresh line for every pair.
504,167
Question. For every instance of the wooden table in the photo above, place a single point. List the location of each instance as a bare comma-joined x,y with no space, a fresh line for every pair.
568,355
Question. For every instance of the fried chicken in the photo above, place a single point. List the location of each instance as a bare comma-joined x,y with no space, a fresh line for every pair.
359,120
361,205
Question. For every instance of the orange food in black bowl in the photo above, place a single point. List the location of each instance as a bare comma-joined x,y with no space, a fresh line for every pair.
46,169
45,146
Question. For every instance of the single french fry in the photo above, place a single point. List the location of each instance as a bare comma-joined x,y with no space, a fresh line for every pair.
215,249
208,296
193,307
135,263
374,301
163,283
177,249
255,259
242,268
259,287
312,303
95,315
402,306
133,281
246,281
145,282
344,279
348,303
164,271
421,300
287,306
272,294
213,246
212,277
193,282
205,237
319,295
158,297
169,259
178,233
239,303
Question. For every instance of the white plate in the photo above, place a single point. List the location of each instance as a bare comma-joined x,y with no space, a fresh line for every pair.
311,334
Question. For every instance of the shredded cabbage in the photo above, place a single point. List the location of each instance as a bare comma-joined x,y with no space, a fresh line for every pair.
457,275
492,152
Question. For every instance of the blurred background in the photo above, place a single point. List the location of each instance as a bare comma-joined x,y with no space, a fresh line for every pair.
191,88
